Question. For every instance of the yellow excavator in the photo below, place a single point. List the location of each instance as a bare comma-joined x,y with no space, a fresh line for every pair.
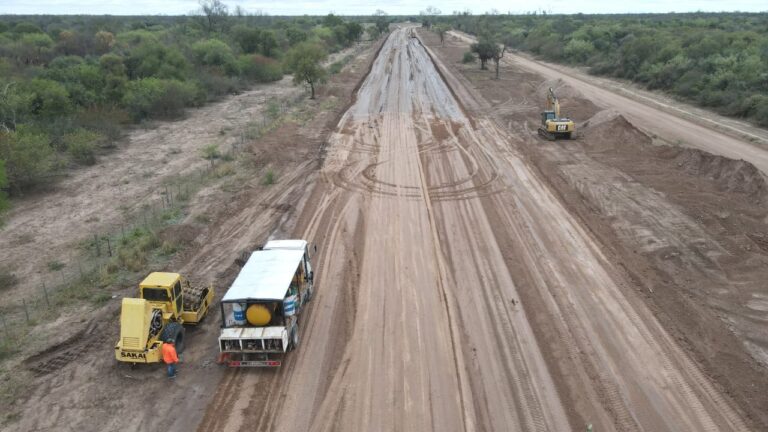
166,301
552,125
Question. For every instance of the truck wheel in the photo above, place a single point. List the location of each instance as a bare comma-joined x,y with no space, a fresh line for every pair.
294,342
174,331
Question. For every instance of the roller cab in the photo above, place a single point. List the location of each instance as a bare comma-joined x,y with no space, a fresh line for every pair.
166,301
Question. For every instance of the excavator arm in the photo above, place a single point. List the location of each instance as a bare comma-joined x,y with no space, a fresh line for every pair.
552,103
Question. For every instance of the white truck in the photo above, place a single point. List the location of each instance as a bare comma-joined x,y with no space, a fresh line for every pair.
261,311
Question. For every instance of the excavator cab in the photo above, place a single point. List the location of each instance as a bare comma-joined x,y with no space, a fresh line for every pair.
552,125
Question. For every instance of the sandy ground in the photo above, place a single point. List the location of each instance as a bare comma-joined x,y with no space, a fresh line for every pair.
457,292
76,384
688,227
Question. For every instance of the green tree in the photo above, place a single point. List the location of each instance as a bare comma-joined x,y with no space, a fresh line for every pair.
26,27
381,22
33,48
485,49
578,51
153,97
81,145
49,99
441,30
29,158
248,38
332,20
113,70
213,52
295,35
14,104
305,61
260,68
268,43
354,31
216,15
152,59
103,41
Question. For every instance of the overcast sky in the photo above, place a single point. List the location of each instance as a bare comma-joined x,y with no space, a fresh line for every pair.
363,7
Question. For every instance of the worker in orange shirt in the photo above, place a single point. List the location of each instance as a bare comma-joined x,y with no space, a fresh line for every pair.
170,358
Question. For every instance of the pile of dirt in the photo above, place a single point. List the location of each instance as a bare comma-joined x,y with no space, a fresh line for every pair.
610,131
728,175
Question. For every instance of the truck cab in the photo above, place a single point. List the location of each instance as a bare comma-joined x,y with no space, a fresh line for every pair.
261,311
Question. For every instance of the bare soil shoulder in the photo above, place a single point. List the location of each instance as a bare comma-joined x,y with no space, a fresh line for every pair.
689,228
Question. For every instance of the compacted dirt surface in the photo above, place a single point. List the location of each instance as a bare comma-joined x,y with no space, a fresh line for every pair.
458,289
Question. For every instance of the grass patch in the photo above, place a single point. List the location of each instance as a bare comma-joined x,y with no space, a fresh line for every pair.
224,170
269,178
273,109
7,278
211,152
7,348
202,219
55,266
337,66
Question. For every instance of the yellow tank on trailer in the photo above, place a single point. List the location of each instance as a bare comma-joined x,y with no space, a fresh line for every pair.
259,314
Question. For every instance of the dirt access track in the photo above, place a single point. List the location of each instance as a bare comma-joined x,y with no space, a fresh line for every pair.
459,291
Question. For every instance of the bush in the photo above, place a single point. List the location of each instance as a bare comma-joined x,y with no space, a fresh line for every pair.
81,145
269,178
107,121
214,83
29,158
213,52
211,152
153,97
468,57
7,278
259,68
335,67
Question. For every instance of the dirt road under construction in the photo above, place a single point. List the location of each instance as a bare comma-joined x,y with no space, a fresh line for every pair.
442,254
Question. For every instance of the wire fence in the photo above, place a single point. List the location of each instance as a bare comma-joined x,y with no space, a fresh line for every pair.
118,253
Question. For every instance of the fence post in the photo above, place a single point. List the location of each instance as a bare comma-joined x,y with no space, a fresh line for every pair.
109,247
26,312
5,326
96,242
45,292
